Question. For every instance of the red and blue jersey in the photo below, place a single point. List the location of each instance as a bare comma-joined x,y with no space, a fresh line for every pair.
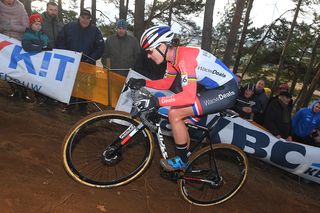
196,66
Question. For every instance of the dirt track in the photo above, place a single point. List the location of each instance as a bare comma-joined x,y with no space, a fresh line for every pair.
32,178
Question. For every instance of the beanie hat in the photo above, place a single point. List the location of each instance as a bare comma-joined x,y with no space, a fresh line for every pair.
122,23
85,12
267,90
35,18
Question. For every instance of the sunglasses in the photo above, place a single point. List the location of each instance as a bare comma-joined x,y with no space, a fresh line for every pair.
149,52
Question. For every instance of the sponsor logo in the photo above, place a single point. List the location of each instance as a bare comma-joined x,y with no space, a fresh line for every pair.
219,98
167,100
215,72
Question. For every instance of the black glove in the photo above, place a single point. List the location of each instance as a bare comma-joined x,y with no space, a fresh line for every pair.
147,103
46,48
134,83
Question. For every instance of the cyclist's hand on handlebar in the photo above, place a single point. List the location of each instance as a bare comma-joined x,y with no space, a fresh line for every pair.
147,103
134,83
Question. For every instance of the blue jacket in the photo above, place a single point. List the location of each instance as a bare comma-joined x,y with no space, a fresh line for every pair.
88,40
34,41
305,121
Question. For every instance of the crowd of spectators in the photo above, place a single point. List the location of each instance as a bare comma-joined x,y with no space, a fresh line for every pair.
121,51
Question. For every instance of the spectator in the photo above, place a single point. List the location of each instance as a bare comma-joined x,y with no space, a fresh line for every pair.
245,104
278,116
305,122
51,24
267,90
81,36
261,100
33,39
13,22
122,50
13,19
239,78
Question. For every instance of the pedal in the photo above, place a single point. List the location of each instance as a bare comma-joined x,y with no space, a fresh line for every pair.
172,176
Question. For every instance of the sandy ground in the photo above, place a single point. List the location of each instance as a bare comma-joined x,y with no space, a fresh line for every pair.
32,177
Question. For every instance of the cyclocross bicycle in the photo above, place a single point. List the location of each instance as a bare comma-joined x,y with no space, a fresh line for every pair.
112,148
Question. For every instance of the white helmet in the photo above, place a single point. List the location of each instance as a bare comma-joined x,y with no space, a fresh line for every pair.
154,36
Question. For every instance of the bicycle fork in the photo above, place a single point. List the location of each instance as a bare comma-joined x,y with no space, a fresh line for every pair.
112,154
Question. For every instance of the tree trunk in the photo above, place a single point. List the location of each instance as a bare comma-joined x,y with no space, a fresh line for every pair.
60,10
260,43
139,18
122,10
170,12
93,11
27,6
312,87
81,5
307,77
284,50
243,36
207,26
232,38
152,12
126,10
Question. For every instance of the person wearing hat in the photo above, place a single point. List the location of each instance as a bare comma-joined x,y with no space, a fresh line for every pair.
278,116
121,49
81,36
305,122
33,39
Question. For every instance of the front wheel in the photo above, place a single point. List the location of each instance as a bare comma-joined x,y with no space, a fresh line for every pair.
214,175
95,153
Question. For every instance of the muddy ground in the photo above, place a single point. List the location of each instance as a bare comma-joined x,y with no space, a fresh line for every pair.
32,177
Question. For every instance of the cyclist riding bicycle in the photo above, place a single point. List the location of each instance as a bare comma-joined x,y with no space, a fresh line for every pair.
208,86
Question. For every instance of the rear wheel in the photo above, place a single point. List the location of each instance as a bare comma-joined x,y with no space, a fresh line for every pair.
205,184
92,157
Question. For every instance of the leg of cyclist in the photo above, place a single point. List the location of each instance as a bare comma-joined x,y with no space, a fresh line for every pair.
181,138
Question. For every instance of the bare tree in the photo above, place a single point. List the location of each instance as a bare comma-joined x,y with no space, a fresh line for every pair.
285,47
139,18
307,77
207,26
232,38
243,36
94,11
81,5
60,10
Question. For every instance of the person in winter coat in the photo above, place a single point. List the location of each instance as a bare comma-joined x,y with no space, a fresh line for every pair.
278,116
245,104
81,36
261,100
304,123
33,40
122,49
13,18
51,24
13,23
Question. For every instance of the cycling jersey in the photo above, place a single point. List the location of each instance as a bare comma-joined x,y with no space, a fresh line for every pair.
195,66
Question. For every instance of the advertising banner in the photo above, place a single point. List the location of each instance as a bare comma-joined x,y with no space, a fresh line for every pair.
51,73
300,159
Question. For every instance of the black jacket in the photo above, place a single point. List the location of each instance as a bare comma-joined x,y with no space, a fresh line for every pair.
88,40
278,119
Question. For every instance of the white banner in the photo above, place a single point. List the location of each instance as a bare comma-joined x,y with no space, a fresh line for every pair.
300,159
48,72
